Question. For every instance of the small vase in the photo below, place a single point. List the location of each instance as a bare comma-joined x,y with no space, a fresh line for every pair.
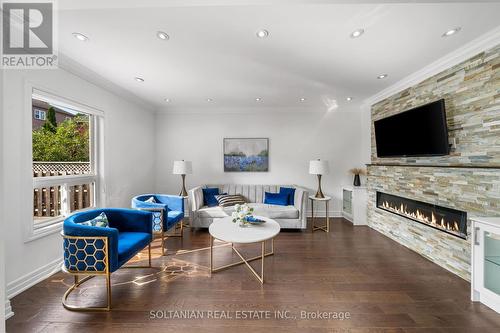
243,223
357,181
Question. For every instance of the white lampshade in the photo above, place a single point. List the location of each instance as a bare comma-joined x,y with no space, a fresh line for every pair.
318,167
182,168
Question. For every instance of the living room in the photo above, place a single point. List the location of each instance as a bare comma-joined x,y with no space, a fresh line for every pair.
263,166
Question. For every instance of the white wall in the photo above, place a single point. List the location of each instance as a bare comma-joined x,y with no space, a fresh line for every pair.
129,164
294,139
2,233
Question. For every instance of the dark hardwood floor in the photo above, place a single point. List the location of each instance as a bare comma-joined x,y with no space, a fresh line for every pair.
383,286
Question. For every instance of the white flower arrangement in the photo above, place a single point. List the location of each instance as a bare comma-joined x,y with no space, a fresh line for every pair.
241,212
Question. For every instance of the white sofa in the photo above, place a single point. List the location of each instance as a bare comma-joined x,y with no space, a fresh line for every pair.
292,217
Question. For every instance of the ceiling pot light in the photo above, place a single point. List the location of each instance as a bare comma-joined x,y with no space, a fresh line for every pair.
167,100
258,99
357,33
451,32
382,76
80,37
139,79
210,100
349,99
302,99
162,35
263,33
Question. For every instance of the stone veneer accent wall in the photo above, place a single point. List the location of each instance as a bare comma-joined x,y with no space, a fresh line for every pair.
472,96
468,179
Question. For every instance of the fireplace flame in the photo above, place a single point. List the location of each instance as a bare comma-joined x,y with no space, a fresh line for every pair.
422,217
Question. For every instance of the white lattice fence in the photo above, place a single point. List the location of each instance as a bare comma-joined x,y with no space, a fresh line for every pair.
48,169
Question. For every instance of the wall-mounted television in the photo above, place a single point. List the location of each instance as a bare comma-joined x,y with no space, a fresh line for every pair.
421,131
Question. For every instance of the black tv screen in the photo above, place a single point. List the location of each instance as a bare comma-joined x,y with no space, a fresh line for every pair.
421,131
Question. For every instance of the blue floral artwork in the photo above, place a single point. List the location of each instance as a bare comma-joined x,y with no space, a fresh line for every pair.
246,155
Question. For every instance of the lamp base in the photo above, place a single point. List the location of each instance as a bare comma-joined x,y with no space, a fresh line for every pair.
319,193
183,191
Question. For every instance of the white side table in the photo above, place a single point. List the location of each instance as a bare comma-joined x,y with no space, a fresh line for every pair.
186,212
326,200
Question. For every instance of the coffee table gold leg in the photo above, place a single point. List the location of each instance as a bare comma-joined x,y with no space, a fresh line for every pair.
245,261
211,254
262,262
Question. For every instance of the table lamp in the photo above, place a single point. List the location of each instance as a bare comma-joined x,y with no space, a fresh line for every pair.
318,167
183,168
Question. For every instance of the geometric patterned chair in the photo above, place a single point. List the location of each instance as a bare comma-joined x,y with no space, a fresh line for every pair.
168,213
99,251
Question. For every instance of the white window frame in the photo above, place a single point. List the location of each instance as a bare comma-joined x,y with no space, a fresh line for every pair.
96,125
38,113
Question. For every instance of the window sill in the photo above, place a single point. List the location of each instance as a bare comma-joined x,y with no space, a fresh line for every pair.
45,231
54,227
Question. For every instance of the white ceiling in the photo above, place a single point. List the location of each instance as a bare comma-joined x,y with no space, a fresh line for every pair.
213,51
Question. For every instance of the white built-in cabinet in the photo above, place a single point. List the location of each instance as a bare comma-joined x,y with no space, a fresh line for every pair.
485,261
354,204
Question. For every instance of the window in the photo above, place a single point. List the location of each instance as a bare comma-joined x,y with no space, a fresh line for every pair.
65,169
39,114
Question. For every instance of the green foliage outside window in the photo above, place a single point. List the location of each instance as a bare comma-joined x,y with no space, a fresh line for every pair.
50,122
64,142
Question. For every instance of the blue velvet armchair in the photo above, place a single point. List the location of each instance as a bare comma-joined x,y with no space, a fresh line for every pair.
93,251
168,213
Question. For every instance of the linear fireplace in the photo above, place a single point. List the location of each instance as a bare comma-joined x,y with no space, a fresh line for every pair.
449,220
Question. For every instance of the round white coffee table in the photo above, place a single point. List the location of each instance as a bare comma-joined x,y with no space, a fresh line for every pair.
225,230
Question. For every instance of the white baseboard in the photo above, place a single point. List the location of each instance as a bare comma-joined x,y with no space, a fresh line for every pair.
8,310
29,280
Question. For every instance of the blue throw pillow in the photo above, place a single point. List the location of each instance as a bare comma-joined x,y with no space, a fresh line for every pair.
209,196
100,221
290,191
276,199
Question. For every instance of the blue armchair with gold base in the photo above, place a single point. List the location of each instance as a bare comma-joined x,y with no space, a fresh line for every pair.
168,213
99,251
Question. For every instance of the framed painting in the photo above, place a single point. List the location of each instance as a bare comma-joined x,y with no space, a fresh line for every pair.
246,154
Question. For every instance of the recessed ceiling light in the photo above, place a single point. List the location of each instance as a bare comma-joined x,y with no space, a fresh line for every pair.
382,76
210,100
263,33
167,100
162,35
349,99
139,79
302,99
357,33
258,99
451,32
80,37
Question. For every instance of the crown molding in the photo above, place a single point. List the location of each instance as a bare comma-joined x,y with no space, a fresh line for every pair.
68,64
261,109
120,4
467,51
